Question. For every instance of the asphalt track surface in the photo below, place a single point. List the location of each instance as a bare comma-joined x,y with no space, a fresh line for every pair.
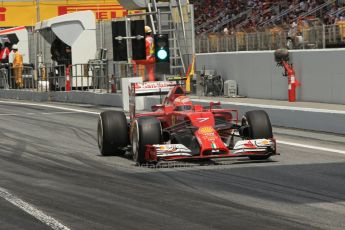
50,160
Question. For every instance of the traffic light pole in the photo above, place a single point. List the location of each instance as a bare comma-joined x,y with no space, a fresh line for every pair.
129,36
129,40
159,21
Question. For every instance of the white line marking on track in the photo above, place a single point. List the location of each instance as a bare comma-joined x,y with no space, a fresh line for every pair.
49,106
26,207
311,147
90,112
20,114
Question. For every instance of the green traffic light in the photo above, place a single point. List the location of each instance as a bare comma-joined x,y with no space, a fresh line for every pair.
161,42
162,54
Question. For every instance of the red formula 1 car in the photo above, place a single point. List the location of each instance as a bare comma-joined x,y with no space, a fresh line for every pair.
177,130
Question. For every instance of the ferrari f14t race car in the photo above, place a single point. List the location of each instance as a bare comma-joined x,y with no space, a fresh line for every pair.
177,129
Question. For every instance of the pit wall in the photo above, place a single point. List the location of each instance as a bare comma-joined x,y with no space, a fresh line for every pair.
321,73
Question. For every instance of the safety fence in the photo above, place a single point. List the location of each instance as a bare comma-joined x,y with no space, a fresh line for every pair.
93,77
9,77
317,37
83,77
51,78
125,70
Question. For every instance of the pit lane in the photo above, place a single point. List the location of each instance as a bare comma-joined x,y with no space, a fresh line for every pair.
49,158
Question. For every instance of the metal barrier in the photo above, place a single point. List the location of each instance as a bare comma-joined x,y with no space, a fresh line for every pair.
13,78
86,77
90,77
240,42
316,37
28,77
4,77
16,78
98,72
51,78
124,70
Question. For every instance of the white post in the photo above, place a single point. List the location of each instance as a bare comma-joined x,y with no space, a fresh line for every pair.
38,13
323,36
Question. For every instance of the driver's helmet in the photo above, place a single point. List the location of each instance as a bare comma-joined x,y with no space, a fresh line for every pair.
182,103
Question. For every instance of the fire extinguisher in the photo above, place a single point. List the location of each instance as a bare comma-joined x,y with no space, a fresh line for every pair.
68,78
282,59
292,81
113,84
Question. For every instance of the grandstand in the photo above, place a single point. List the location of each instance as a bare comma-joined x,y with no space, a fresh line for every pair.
287,19
254,15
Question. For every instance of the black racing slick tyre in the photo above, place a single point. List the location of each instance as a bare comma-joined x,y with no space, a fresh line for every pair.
259,128
145,131
260,124
112,133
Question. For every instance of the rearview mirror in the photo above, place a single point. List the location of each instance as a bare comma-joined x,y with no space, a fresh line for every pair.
156,107
215,104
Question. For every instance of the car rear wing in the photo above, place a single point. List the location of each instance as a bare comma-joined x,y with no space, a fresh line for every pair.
144,89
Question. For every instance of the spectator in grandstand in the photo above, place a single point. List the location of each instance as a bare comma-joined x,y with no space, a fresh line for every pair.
210,13
342,17
293,28
299,40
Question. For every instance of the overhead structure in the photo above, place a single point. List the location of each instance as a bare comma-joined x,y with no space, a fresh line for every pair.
19,36
169,19
133,4
78,30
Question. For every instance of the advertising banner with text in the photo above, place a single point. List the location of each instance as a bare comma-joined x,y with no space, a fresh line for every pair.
24,13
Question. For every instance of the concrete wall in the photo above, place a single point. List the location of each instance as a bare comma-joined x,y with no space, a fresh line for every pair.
68,97
321,72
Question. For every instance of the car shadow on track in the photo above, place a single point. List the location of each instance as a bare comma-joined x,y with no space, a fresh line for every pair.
203,163
190,163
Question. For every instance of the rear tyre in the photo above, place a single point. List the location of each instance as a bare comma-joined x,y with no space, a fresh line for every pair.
112,133
259,128
145,131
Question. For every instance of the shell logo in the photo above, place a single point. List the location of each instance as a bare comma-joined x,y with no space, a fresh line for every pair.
182,99
265,142
206,130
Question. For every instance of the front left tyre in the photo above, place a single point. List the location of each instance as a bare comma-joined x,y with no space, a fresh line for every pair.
259,128
112,133
145,131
